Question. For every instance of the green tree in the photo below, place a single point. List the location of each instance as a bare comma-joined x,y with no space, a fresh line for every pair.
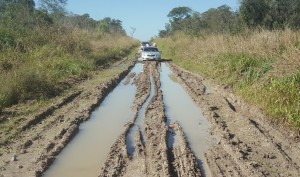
179,13
254,12
294,18
16,14
217,20
221,19
178,17
53,5
271,14
166,32
103,26
111,25
285,13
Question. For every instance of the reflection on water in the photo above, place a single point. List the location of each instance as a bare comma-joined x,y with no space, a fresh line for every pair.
85,154
181,108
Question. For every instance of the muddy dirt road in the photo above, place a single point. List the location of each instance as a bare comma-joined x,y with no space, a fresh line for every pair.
226,138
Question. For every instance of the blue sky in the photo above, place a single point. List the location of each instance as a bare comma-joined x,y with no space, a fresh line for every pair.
148,17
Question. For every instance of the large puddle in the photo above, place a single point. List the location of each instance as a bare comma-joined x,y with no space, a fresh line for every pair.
85,154
181,108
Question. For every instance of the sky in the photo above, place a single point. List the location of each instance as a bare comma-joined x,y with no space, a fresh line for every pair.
147,17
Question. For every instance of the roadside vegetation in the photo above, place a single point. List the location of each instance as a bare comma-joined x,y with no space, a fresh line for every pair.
41,48
255,51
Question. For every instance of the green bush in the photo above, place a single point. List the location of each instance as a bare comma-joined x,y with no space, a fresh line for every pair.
6,40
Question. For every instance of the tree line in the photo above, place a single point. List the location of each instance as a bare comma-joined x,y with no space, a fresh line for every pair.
252,14
21,18
43,45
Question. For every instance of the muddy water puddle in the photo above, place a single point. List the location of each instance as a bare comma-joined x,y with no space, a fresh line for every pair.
180,107
139,123
86,153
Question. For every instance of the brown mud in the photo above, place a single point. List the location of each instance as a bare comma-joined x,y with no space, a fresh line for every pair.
152,156
248,144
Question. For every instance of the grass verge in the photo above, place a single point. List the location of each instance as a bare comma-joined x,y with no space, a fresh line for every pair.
262,67
39,71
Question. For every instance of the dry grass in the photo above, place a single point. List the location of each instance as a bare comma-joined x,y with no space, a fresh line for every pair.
48,58
263,66
280,46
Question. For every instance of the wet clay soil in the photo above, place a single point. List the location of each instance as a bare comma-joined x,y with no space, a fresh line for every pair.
247,145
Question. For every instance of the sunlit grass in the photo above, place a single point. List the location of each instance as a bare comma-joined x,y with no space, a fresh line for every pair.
46,59
263,67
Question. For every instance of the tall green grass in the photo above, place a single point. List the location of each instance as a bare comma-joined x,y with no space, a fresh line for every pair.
281,98
240,70
34,65
262,67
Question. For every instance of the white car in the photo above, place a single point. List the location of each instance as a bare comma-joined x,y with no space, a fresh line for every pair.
150,53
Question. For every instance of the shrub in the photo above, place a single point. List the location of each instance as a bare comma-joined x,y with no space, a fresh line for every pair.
6,40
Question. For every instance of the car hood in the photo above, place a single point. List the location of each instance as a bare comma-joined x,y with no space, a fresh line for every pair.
150,53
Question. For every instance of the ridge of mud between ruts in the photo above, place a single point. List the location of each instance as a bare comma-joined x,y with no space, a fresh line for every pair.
152,156
247,144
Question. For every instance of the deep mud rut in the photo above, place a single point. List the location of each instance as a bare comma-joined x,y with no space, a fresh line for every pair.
247,144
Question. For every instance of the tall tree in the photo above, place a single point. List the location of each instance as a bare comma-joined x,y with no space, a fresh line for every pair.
294,20
179,13
220,19
285,13
111,25
53,5
178,16
26,4
166,32
271,14
254,12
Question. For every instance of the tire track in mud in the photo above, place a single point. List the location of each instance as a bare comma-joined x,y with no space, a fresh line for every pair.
183,161
247,145
151,157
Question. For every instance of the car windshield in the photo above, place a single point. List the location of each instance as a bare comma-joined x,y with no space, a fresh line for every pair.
145,43
150,49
